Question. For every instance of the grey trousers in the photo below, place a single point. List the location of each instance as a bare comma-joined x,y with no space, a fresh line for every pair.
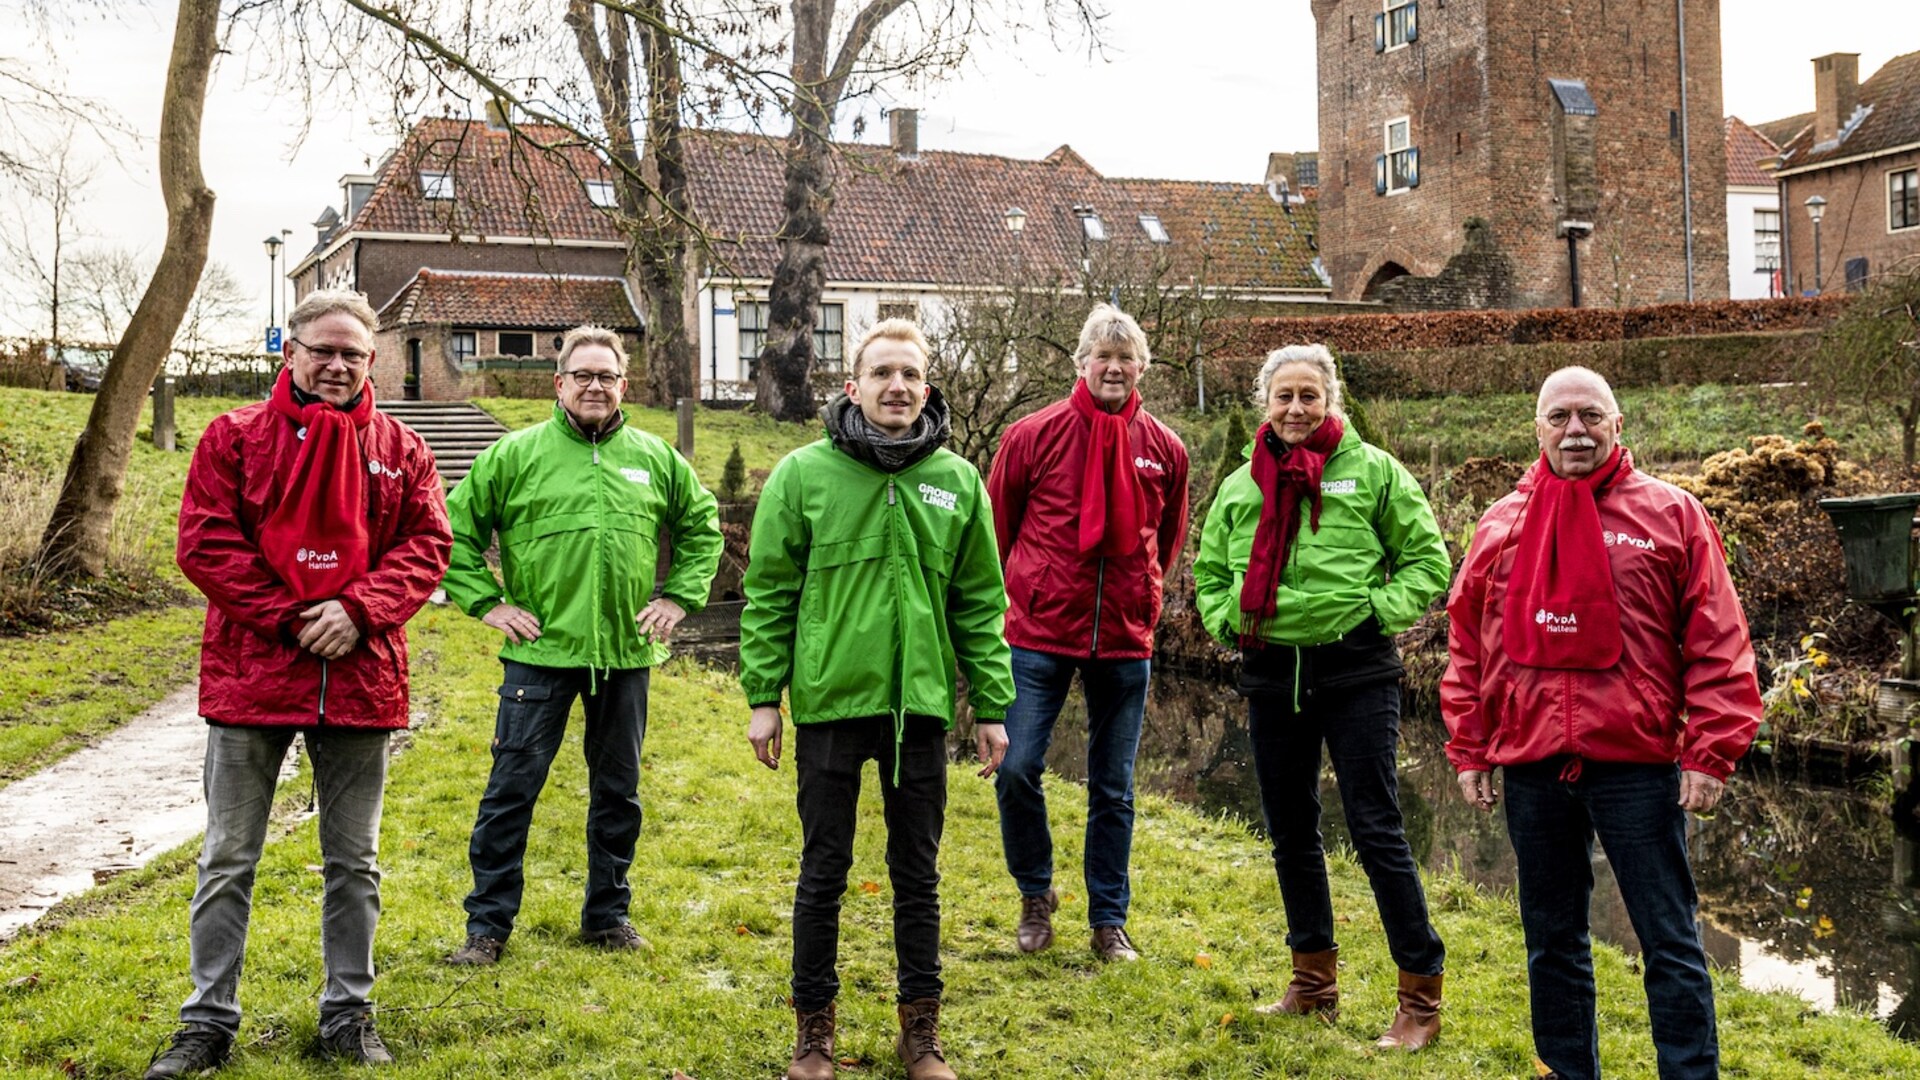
350,775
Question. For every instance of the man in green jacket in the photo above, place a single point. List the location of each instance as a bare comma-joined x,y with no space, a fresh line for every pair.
873,576
579,504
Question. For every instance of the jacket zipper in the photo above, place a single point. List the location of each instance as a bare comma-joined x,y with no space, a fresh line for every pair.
899,692
323,691
1099,587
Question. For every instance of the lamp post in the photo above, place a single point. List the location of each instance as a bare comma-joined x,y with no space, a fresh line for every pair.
1081,212
1016,220
272,244
1816,209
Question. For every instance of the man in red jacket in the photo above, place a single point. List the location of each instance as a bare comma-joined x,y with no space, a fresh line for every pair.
1090,507
1601,659
316,528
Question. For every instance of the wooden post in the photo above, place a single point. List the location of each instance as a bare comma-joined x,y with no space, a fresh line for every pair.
683,409
163,430
1433,470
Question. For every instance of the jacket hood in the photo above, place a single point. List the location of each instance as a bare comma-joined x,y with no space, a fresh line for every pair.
854,438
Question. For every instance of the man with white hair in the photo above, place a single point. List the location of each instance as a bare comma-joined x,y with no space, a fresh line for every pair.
1601,659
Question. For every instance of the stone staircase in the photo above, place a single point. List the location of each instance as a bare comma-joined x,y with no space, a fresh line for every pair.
456,430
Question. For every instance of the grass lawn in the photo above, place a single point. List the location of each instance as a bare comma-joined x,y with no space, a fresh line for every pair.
763,442
92,993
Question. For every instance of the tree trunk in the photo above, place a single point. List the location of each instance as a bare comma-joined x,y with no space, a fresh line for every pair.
75,541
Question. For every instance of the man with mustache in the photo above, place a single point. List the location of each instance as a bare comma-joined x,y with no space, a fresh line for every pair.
315,526
1090,509
1601,659
872,579
579,504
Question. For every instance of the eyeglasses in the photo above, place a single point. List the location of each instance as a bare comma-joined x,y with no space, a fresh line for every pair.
1559,418
605,379
327,354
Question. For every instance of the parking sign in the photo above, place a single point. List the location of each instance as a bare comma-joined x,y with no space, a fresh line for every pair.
273,339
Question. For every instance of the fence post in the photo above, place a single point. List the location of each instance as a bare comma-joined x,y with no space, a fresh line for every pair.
1433,470
163,431
683,409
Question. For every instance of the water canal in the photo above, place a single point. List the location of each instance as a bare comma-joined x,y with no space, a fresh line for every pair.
1803,888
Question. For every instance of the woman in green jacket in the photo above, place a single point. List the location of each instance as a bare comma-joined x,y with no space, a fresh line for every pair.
1313,555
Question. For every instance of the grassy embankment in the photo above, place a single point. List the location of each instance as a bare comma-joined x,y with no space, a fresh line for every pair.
93,993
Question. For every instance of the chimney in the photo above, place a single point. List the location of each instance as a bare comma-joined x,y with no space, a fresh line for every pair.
1836,92
497,114
904,124
1279,167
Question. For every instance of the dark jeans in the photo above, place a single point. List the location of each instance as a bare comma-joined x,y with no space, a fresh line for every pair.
1635,811
828,759
1360,726
1116,693
534,703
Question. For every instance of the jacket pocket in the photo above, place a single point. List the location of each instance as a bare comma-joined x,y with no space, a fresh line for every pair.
1655,713
522,722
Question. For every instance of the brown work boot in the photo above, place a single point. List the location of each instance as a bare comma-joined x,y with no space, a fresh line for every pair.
919,1045
1036,921
1417,1020
813,1045
1315,987
1112,943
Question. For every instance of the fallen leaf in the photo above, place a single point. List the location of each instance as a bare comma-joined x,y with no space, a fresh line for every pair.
870,887
316,868
593,1008
1226,1019
1202,960
742,930
27,981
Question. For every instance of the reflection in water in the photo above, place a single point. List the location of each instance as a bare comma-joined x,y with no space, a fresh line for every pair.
1804,889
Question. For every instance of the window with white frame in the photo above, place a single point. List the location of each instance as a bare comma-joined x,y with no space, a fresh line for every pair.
1903,199
829,335
1766,240
436,185
1398,168
1156,232
600,193
1397,24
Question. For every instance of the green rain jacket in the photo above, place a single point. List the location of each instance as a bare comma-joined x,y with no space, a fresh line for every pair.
866,588
579,522
1378,552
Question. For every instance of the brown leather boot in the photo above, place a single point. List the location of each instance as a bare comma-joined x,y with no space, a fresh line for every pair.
1036,921
919,1045
812,1045
1417,1020
1315,987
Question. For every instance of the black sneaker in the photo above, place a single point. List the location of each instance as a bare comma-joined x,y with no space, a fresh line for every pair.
479,951
195,1049
356,1042
618,938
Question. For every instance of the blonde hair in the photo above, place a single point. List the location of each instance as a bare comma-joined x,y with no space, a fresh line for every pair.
591,335
891,330
321,303
1108,325
1314,356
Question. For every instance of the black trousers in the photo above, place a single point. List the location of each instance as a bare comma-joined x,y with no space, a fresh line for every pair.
829,759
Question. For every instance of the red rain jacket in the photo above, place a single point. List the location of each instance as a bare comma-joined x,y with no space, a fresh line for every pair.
1059,601
1684,689
252,672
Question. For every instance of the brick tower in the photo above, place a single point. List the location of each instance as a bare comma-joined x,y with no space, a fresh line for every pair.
1463,141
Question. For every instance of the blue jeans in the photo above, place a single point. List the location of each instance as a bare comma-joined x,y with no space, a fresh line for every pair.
1116,694
349,779
534,704
1635,811
1360,726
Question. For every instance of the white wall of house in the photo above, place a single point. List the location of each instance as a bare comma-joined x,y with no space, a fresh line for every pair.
1751,258
726,305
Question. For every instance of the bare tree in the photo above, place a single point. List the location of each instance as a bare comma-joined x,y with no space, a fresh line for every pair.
1873,350
107,283
75,540
215,324
39,239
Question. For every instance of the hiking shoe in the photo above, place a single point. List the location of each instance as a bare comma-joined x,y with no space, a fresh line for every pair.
479,951
356,1042
812,1045
1035,931
919,1043
195,1049
1112,943
616,938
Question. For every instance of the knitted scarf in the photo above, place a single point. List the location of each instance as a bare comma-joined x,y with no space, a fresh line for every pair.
1113,505
1284,475
315,539
1560,609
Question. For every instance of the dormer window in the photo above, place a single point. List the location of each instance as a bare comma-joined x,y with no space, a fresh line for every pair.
436,185
600,193
1094,227
1156,232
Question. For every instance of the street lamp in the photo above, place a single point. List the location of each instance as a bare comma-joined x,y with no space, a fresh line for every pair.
1082,212
272,244
1016,220
1816,209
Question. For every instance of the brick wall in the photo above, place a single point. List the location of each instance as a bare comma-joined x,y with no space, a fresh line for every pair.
1474,88
1856,223
442,379
382,267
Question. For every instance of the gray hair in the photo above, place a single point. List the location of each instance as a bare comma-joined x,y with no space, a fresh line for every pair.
591,335
1108,325
1576,372
1314,356
321,303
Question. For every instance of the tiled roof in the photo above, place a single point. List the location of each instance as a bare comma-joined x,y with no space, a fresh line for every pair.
517,301
940,218
501,186
1780,132
1746,148
1893,96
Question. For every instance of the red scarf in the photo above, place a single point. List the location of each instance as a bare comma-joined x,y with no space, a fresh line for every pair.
316,538
1283,475
1560,609
1113,505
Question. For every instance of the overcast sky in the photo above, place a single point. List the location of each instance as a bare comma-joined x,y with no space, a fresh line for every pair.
1199,89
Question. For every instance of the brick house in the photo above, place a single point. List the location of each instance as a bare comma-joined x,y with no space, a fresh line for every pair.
1474,152
1753,214
1859,150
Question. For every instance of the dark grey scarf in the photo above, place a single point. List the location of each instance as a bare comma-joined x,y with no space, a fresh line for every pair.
853,434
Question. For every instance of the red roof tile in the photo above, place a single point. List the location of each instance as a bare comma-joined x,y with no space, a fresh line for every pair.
530,301
1892,95
1746,148
502,186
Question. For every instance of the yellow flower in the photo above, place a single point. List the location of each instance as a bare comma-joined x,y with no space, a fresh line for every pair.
1800,688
